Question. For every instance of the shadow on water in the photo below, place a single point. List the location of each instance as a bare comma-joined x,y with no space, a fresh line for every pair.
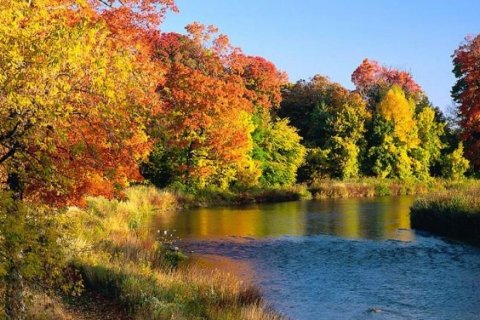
337,259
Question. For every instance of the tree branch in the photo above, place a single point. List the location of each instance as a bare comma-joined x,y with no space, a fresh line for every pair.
9,154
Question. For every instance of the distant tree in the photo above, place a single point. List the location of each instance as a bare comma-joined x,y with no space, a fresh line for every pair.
466,93
395,135
372,79
396,107
430,134
382,157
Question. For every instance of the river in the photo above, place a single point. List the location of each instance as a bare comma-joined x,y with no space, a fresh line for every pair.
336,258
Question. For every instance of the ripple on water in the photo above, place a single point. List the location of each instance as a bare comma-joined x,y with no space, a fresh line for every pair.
326,277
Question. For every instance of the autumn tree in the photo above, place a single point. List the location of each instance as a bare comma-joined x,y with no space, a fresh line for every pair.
72,106
466,93
204,127
372,80
405,137
210,98
395,112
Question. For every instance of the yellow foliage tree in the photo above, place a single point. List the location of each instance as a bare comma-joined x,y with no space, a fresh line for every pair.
395,107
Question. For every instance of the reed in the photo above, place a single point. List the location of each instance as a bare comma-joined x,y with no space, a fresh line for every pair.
454,213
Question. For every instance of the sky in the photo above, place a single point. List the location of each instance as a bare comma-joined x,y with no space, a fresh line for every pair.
332,37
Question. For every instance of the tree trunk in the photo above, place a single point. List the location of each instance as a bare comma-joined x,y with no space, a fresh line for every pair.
14,291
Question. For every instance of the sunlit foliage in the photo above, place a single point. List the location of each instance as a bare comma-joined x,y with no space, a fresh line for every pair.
73,101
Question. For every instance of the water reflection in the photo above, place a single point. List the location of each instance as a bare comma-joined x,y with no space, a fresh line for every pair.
332,277
379,218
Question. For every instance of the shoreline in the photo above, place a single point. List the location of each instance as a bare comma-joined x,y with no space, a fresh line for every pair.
126,265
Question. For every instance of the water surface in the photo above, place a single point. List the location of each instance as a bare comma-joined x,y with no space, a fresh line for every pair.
337,259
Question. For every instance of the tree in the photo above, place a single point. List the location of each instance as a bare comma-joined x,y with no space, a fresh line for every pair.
395,135
371,79
330,118
205,125
395,107
466,93
211,94
278,150
72,106
455,165
382,152
430,134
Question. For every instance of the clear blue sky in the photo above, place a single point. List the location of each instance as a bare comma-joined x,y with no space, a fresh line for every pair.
332,37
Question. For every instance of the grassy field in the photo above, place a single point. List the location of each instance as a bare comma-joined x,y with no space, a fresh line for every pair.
454,213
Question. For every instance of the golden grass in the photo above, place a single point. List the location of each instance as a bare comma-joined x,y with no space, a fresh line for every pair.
119,256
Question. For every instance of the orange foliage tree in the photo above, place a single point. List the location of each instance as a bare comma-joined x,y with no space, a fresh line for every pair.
73,99
208,97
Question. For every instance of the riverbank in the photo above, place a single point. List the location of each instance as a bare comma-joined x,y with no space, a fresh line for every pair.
218,197
143,274
372,187
141,271
324,189
454,213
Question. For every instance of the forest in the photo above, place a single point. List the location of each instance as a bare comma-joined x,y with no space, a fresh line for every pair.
94,98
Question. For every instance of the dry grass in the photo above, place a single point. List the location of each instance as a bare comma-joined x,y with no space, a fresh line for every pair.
370,187
121,258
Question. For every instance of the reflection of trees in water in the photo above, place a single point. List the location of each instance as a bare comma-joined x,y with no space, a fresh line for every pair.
351,218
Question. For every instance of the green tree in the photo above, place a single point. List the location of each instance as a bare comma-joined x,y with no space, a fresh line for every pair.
455,165
278,149
331,120
430,133
382,154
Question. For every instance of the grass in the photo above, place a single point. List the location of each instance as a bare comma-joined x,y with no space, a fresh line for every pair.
218,197
121,258
142,272
373,187
454,213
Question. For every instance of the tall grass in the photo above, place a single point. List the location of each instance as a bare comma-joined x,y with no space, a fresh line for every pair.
371,187
119,256
454,213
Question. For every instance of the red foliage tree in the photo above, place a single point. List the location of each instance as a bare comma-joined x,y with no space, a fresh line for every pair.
371,76
466,92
